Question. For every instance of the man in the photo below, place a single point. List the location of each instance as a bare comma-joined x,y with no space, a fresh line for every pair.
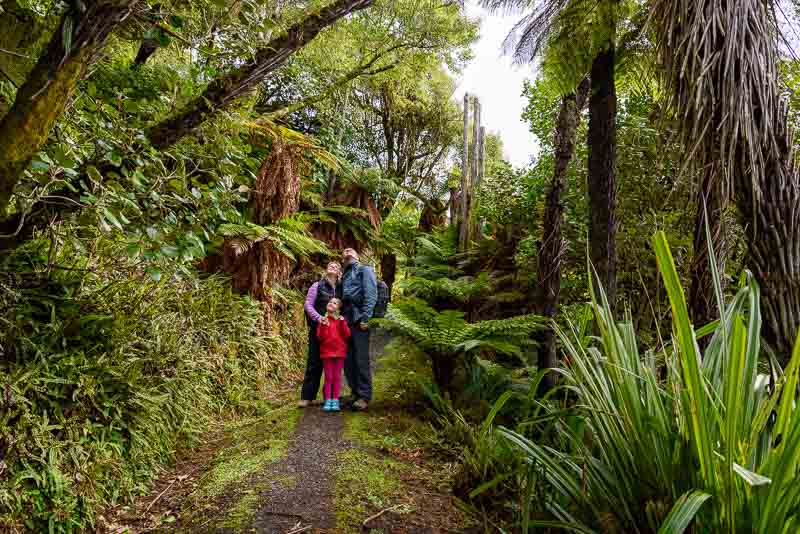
359,293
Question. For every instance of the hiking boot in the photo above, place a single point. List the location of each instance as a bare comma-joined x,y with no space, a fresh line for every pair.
335,407
359,406
303,403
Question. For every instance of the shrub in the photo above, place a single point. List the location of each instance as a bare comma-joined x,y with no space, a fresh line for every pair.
106,372
709,446
446,337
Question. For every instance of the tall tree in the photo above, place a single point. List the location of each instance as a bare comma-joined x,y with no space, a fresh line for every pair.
559,21
602,141
549,259
721,66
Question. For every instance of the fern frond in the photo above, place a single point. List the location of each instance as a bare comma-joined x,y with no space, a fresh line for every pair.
290,236
448,332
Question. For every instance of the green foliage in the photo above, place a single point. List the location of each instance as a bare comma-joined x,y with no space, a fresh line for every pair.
399,230
717,447
448,334
107,372
290,236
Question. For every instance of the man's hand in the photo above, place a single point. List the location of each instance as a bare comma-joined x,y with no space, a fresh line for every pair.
364,326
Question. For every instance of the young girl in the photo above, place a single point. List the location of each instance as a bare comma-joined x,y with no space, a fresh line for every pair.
333,334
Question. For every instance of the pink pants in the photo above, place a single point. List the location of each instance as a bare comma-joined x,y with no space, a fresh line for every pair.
333,377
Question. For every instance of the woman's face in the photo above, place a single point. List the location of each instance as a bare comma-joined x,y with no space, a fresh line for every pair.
334,269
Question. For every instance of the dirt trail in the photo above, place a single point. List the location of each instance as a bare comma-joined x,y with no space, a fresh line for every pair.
331,473
308,501
312,455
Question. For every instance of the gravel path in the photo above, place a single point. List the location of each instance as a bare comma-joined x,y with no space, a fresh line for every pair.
301,494
302,491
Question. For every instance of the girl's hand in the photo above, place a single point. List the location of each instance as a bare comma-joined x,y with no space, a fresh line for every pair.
324,321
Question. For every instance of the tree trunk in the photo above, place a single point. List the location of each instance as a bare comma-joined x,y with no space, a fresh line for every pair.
602,192
146,49
772,227
548,272
389,269
463,200
702,304
453,205
43,97
474,170
444,370
225,89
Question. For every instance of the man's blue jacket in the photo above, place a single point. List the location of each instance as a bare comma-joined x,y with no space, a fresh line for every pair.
359,292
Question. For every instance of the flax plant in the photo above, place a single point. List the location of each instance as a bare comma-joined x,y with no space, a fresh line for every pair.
711,446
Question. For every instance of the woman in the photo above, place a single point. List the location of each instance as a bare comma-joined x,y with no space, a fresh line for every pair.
317,298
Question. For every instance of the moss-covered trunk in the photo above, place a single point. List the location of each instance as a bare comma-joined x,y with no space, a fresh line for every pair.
225,89
548,268
43,97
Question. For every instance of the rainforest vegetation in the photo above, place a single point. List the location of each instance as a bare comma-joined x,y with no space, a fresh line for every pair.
607,334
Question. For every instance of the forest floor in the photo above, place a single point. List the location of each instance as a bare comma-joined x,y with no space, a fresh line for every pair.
307,471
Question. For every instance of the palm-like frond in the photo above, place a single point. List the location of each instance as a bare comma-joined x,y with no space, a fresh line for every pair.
449,333
290,236
534,30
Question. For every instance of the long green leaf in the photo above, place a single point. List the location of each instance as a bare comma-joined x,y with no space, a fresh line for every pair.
683,512
689,358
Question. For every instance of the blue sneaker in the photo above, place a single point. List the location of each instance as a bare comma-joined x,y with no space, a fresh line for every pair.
335,406
328,406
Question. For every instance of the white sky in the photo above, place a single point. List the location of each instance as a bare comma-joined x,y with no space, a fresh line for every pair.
498,85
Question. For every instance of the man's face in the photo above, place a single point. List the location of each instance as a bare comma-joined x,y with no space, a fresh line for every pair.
349,256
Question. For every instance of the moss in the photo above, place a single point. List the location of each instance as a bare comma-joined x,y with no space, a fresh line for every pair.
255,446
243,512
376,480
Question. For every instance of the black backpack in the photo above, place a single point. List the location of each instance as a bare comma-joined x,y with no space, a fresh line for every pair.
382,302
383,297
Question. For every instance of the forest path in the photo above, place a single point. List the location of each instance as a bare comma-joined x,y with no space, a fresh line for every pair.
307,471
308,503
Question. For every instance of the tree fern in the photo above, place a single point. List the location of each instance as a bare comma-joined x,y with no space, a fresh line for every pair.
448,338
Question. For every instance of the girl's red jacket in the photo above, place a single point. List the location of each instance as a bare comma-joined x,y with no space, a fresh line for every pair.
333,338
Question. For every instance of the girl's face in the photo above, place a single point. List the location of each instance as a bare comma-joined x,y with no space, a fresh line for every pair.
333,306
334,269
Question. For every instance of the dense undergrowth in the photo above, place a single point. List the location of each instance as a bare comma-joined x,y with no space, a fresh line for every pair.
711,431
107,371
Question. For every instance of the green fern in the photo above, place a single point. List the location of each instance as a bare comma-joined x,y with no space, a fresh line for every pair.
290,236
461,289
447,338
